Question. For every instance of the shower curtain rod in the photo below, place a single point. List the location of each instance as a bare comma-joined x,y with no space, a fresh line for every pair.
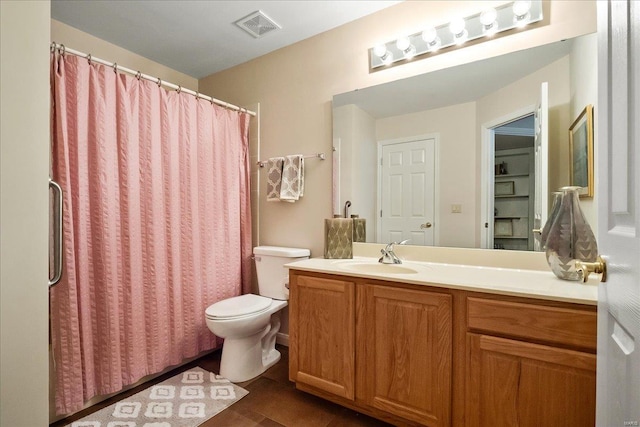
63,49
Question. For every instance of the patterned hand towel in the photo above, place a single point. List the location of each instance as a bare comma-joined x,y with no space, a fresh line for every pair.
274,178
292,178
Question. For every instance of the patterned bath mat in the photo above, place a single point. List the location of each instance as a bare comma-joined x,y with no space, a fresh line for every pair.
185,400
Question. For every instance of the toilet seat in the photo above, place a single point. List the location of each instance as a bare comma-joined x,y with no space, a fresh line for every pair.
240,306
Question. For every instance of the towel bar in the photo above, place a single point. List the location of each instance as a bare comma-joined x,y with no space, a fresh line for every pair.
321,156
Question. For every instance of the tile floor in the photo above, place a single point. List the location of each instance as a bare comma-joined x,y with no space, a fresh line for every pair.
272,401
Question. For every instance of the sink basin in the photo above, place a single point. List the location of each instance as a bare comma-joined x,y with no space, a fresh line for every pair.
368,267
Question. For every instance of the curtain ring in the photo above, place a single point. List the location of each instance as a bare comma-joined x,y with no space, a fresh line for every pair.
89,58
159,81
211,100
63,50
179,89
138,75
52,47
197,95
115,67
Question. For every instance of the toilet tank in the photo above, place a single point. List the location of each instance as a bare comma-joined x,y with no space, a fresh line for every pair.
273,276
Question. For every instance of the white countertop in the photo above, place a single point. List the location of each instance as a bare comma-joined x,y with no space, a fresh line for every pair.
503,281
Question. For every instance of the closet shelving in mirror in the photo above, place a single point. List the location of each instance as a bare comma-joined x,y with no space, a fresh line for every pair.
513,217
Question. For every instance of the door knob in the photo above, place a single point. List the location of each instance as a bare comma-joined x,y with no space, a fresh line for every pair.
584,268
425,225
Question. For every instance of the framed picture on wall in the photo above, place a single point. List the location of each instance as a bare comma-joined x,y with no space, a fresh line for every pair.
581,152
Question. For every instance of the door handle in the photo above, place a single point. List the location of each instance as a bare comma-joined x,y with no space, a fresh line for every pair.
425,225
57,235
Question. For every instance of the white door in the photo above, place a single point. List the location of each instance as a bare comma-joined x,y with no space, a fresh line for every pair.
541,150
618,193
407,192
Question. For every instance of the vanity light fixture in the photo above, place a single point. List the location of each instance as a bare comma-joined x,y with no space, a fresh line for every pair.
485,24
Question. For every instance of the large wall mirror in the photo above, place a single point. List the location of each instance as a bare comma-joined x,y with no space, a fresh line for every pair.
451,158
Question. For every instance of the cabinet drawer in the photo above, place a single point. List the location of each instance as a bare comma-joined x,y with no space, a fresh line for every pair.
558,325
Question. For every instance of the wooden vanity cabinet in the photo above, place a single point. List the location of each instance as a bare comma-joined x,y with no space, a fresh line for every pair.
322,334
403,352
383,350
426,355
530,364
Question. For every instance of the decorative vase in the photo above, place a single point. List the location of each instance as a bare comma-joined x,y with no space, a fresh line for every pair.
570,237
555,207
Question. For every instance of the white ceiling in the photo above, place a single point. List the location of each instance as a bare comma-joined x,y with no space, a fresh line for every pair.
200,38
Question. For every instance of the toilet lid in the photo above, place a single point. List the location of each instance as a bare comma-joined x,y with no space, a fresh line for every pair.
238,306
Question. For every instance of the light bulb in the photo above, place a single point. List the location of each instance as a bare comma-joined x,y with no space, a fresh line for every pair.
409,52
521,14
488,21
456,27
488,17
521,7
403,43
379,50
430,36
387,58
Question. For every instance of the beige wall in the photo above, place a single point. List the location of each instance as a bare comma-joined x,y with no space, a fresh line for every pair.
75,39
295,85
355,130
24,171
584,91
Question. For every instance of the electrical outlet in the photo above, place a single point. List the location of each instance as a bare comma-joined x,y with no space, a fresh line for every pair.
456,208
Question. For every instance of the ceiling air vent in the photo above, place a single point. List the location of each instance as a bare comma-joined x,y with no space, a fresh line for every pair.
257,24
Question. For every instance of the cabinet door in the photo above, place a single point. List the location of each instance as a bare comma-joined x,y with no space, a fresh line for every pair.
515,383
321,332
404,353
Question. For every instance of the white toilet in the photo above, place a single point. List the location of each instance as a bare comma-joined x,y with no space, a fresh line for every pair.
249,323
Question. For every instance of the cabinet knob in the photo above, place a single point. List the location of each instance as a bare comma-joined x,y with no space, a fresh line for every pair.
425,225
584,268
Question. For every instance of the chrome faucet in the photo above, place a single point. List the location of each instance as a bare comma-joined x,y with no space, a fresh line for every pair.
388,255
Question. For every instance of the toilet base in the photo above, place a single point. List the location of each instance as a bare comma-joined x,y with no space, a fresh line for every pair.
270,359
246,358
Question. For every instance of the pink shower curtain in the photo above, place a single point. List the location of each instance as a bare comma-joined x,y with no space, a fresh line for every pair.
157,226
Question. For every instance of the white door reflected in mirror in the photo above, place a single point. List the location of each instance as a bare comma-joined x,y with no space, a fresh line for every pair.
407,191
